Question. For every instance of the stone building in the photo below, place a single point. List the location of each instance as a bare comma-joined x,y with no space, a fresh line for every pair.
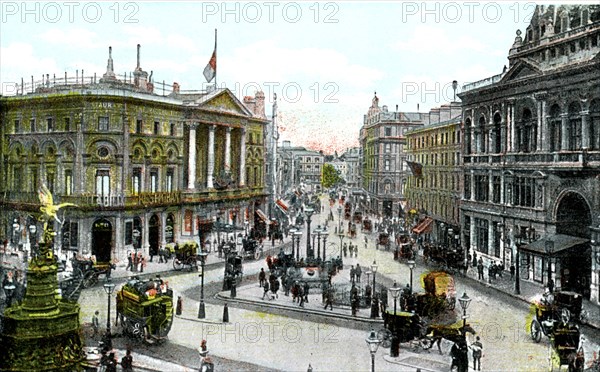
532,153
384,169
352,158
437,147
143,168
300,167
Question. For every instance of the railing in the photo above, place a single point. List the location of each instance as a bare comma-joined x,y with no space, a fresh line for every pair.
482,83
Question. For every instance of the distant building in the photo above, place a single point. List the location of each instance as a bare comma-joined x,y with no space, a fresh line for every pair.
532,153
144,168
300,168
353,167
437,148
384,169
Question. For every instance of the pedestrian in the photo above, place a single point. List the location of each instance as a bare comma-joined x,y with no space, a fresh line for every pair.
480,269
95,323
490,272
512,271
265,289
330,292
275,287
477,348
160,255
474,259
295,291
354,299
345,250
262,277
358,272
111,363
179,307
301,295
383,299
352,274
551,285
366,242
129,262
356,251
127,361
306,290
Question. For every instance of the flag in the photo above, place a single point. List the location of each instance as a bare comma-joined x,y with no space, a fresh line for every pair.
210,71
415,168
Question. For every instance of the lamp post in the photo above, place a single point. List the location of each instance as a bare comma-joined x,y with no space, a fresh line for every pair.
246,227
395,346
309,212
464,304
292,231
395,294
374,305
454,86
33,239
108,288
341,240
318,232
373,343
443,230
411,266
549,246
325,232
298,234
339,218
16,229
201,306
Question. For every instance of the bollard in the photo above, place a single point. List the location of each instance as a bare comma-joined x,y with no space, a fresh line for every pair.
233,292
179,306
225,313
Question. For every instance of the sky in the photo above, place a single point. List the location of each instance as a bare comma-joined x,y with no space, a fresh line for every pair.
324,60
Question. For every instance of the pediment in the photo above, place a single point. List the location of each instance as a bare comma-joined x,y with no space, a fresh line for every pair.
223,101
520,70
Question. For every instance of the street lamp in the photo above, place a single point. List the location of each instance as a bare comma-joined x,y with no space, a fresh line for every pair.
16,228
33,239
325,232
411,266
395,294
339,218
341,240
549,250
442,229
395,347
201,307
246,226
292,232
318,232
298,234
464,304
108,288
373,343
454,86
309,212
374,307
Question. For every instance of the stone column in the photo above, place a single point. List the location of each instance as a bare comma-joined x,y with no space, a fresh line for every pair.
511,127
163,225
540,124
472,183
502,188
564,128
473,240
192,157
211,157
585,129
228,149
243,158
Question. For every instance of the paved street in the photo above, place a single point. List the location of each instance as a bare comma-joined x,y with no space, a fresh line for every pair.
260,331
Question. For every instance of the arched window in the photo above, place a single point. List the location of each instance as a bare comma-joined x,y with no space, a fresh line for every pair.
595,124
554,124
574,126
468,136
497,133
525,132
482,136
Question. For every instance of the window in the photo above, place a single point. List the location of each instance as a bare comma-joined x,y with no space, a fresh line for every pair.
388,147
68,182
524,192
552,53
468,136
387,164
50,124
554,124
574,126
138,126
169,180
467,187
103,123
481,187
388,131
103,182
67,124
595,124
526,132
308,159
497,134
496,189
156,127
482,234
17,179
50,181
153,180
172,129
497,238
32,125
136,181
17,126
128,232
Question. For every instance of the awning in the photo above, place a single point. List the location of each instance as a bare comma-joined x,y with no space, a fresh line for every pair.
263,216
423,227
282,206
554,243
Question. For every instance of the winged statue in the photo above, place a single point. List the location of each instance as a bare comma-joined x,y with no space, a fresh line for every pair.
48,207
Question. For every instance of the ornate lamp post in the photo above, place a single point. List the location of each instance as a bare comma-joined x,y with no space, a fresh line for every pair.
325,232
341,240
308,211
411,266
339,209
108,288
318,232
395,294
373,343
374,305
395,347
33,240
201,306
292,231
464,304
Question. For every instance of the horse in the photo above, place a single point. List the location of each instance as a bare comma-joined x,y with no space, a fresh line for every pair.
439,332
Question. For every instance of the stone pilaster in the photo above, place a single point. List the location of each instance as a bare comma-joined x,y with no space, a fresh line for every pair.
564,135
585,130
243,158
228,148
211,157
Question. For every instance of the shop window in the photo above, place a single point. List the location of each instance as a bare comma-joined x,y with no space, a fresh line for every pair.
103,182
103,123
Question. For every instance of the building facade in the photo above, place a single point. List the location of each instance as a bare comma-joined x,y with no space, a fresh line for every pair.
353,169
532,153
144,169
437,148
300,168
384,169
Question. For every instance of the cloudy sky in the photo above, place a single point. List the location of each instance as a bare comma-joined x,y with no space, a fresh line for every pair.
324,60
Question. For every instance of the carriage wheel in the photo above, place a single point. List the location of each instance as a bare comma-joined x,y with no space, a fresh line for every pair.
90,279
384,335
536,331
137,330
177,265
191,261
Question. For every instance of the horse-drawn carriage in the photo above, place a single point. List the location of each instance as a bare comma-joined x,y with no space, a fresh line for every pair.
233,270
251,249
347,210
357,217
553,318
447,258
351,230
186,255
404,251
89,270
145,309
439,295
384,240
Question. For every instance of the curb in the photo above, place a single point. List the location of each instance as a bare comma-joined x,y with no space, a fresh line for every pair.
300,310
393,360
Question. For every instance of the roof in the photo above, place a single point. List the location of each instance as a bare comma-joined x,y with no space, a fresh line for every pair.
553,243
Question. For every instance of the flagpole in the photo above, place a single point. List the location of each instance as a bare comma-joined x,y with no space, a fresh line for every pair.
215,55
